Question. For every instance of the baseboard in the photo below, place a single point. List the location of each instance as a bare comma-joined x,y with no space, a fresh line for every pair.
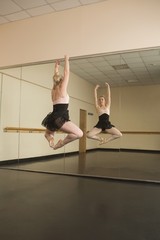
62,155
128,150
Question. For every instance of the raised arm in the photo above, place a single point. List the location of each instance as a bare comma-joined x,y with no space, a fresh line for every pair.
56,73
95,96
66,72
56,67
108,95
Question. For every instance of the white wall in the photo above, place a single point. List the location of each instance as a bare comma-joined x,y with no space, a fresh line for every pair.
92,29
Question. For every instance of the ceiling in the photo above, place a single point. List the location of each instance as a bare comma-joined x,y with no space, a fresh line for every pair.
15,10
140,67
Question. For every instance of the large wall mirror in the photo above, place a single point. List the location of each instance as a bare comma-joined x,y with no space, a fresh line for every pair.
134,78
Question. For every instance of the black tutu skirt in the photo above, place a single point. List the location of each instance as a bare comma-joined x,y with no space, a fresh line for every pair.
104,122
55,120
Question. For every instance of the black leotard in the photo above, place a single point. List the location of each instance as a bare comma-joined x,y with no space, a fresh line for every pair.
104,122
55,119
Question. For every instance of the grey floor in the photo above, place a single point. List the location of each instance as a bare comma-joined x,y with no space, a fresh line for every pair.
41,206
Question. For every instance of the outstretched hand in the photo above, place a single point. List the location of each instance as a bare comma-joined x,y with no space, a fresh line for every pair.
96,87
66,57
106,84
57,63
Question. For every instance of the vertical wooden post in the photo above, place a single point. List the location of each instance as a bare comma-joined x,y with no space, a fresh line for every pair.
83,123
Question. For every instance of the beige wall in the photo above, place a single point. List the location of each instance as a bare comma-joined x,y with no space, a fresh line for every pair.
134,109
99,28
140,112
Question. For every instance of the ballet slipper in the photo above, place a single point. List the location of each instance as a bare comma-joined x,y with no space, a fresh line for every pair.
59,144
103,141
51,142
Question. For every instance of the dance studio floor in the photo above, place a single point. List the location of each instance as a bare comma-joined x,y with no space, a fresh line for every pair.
98,195
125,165
40,206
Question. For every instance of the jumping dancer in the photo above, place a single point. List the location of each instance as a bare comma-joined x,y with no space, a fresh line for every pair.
103,105
58,119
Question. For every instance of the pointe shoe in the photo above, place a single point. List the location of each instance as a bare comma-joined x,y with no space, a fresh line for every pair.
59,144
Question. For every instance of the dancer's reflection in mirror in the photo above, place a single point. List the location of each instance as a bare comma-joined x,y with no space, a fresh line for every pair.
103,104
58,119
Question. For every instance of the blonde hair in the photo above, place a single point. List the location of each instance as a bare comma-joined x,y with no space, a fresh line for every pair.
57,78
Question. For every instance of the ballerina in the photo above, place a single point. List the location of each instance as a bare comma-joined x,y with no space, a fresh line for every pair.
58,119
103,105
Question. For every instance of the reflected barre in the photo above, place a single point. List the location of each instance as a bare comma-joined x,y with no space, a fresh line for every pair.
138,132
25,130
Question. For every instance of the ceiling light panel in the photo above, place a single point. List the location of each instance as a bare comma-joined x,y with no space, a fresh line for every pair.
120,67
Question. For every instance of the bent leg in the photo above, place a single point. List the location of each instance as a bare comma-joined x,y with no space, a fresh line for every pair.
93,134
115,133
49,135
74,132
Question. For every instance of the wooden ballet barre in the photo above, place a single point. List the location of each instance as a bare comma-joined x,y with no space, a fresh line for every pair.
139,132
26,130
42,130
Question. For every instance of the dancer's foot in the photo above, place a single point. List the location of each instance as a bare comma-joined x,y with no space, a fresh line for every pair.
59,144
102,141
51,142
